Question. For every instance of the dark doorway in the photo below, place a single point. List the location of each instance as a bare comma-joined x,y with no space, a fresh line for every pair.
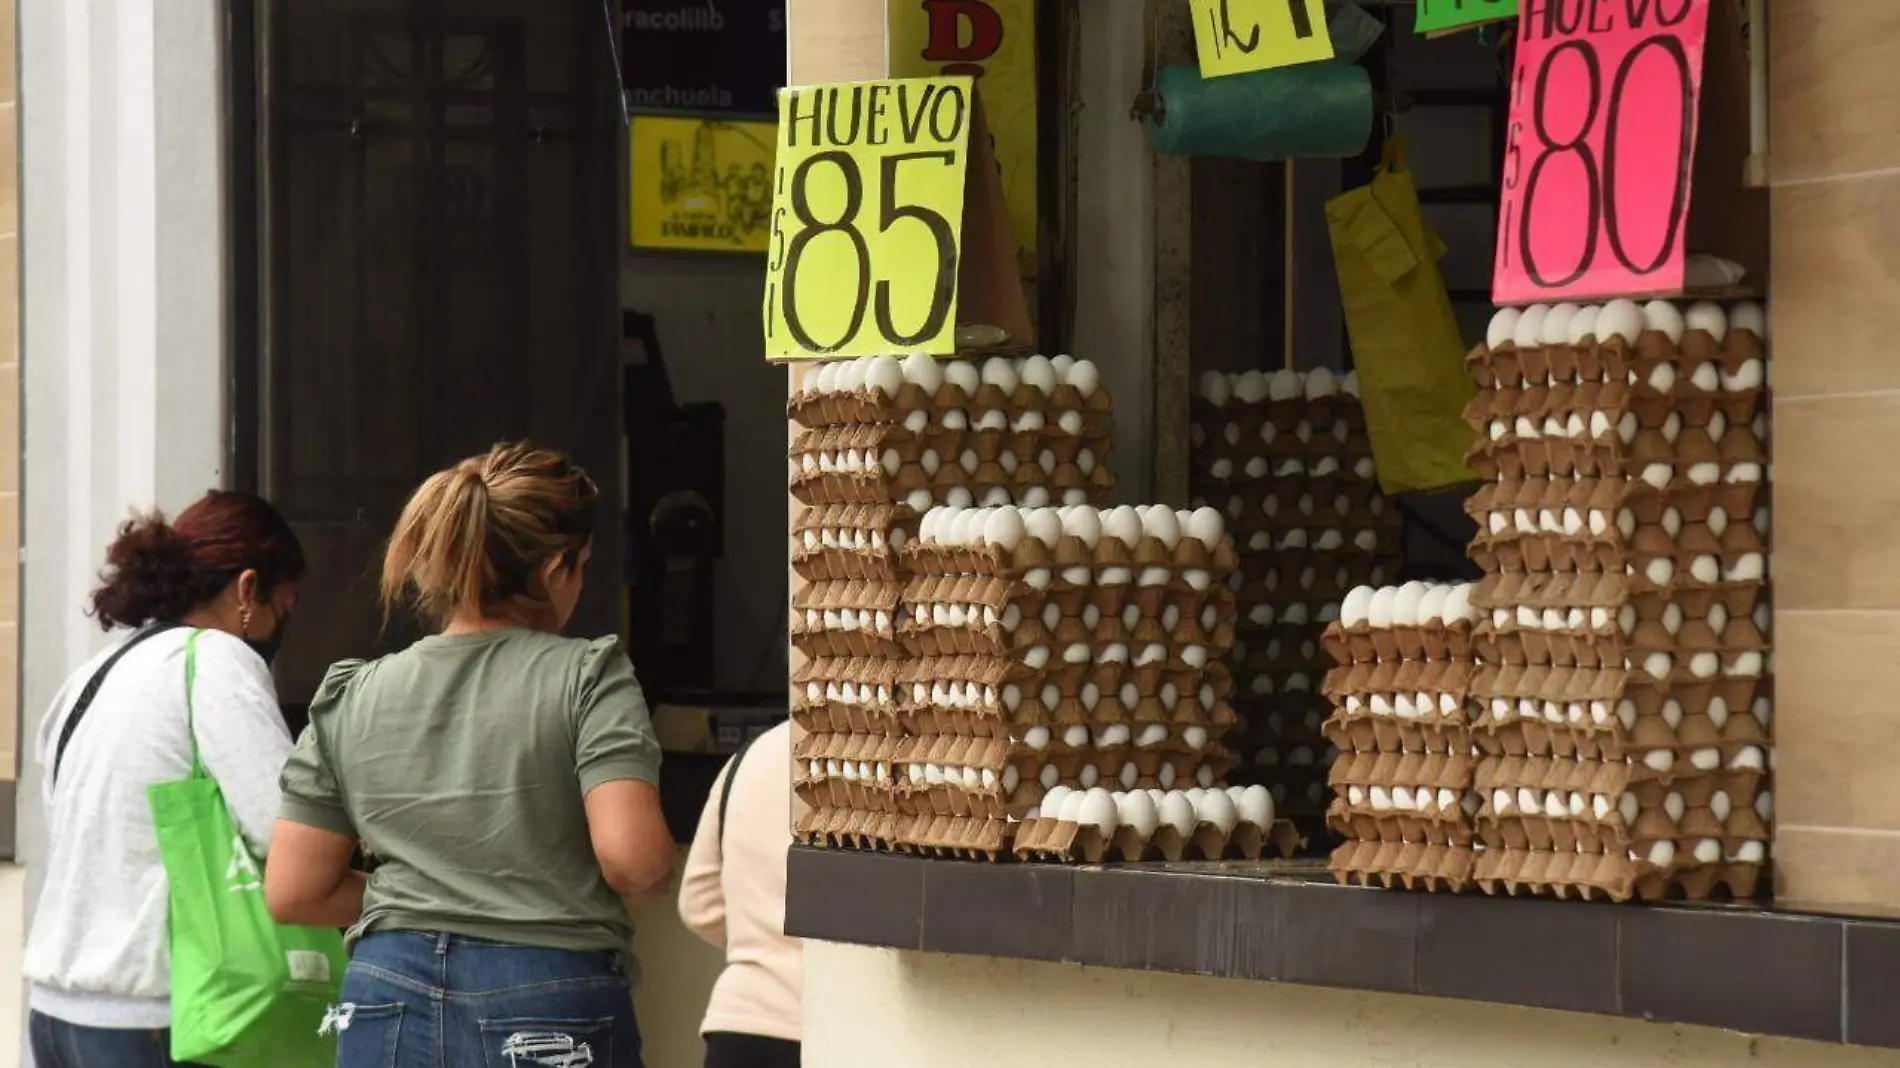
436,229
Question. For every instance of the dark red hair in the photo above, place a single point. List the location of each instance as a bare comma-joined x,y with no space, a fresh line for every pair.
159,570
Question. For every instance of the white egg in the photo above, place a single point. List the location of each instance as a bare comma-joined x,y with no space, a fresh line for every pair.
1529,332
1099,811
963,375
1707,316
1749,316
1458,604
1503,327
1004,528
1000,371
1620,318
1217,808
924,371
1215,389
1138,810
1750,375
1357,606
1176,810
1285,384
1084,377
1255,806
1250,388
1379,614
1405,604
1084,523
1161,523
885,375
1583,324
1665,318
1556,328
1123,524
1320,382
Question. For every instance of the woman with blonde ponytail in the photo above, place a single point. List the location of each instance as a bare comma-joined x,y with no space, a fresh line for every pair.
505,777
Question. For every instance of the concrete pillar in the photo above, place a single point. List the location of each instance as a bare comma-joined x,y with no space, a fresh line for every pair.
1835,169
122,305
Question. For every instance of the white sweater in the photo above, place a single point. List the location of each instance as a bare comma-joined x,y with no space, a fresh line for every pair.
97,954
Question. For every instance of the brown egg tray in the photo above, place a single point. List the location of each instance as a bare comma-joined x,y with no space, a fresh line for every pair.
855,541
1509,367
1416,865
813,409
1607,877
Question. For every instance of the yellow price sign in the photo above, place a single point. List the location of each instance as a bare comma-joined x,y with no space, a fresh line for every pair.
867,213
1237,36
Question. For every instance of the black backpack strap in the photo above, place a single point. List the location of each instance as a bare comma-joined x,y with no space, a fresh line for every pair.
92,689
725,789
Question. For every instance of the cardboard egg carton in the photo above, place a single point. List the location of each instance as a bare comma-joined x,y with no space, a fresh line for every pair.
845,828
808,407
1609,876
1398,864
847,693
1613,360
1059,740
854,617
956,837
1450,767
1219,463
987,695
1599,713
850,770
1129,768
1281,502
835,543
1516,790
1063,842
1072,565
1599,604
1551,549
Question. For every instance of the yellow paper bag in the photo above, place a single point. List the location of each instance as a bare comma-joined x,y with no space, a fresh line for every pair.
1405,340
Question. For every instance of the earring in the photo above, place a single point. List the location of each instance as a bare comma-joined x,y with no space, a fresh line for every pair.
244,621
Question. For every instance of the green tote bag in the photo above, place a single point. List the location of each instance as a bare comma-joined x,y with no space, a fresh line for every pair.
246,992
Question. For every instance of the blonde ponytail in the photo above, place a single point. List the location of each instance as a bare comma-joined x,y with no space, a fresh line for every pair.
473,537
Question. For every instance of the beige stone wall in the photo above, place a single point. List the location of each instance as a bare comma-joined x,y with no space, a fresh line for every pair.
925,1011
9,399
1835,168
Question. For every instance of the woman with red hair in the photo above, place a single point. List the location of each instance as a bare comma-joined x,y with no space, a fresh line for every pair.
98,960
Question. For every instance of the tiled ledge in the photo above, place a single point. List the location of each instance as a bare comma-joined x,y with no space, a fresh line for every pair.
1743,969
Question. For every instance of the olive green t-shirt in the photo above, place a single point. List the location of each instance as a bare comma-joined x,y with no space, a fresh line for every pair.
461,763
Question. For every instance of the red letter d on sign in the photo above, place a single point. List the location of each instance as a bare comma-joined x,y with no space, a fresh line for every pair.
947,18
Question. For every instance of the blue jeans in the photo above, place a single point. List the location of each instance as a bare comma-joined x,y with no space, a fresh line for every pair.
421,1000
58,1044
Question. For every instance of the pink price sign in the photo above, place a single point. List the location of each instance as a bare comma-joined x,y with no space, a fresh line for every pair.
1600,149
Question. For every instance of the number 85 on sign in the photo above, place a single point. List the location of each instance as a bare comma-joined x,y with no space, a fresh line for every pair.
867,205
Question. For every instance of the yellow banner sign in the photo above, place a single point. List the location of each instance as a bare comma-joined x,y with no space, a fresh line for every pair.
1237,36
994,42
699,184
867,211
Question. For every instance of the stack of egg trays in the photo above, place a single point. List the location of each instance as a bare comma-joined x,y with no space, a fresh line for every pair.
1626,693
1402,785
1037,649
1296,479
865,465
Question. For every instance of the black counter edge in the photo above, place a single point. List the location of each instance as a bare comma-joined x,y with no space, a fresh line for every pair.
1752,970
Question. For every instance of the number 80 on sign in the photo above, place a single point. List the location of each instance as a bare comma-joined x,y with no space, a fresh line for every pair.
867,203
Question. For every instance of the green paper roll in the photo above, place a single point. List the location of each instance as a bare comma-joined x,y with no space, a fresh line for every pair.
1313,111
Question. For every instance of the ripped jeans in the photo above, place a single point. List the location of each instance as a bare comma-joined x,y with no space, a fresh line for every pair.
421,1000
